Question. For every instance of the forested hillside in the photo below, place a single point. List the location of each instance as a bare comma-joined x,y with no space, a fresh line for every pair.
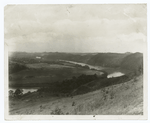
107,59
130,61
133,62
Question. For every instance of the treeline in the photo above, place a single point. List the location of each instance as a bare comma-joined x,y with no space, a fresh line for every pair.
104,82
68,85
16,67
83,84
18,93
80,85
33,61
81,66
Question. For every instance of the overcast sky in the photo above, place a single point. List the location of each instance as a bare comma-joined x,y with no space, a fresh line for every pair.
76,28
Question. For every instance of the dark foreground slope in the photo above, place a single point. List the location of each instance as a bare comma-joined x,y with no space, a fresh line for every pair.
121,99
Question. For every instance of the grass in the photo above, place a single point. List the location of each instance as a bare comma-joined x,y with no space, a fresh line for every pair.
96,103
57,111
47,66
125,98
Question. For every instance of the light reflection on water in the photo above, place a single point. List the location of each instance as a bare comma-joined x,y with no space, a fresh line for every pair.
83,64
115,74
25,90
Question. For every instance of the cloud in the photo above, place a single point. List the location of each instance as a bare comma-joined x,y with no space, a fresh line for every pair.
75,27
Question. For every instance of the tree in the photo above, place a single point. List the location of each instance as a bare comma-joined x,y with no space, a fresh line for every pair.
104,75
86,67
18,92
11,93
141,69
57,111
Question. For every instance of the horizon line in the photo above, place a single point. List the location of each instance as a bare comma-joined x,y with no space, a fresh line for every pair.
71,52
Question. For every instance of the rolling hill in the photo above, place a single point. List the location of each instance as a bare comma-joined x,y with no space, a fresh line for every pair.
133,62
130,61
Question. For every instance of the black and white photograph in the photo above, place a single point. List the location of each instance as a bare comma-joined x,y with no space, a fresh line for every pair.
75,60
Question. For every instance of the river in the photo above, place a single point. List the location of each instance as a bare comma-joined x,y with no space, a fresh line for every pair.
114,74
83,64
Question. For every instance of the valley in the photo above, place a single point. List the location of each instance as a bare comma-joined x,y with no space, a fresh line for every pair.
59,86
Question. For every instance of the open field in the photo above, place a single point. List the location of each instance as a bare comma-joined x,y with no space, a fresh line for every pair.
41,74
47,66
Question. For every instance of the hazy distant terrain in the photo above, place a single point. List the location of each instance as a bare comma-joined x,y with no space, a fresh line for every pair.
102,59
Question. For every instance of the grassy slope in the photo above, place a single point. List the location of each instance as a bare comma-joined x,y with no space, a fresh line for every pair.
125,98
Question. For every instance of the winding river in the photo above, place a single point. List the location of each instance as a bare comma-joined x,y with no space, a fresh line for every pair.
114,74
83,64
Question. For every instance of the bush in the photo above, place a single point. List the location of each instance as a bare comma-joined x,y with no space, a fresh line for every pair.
16,67
57,111
11,93
68,85
18,92
135,79
112,95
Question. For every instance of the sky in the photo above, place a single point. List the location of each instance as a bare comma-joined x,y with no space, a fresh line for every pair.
76,28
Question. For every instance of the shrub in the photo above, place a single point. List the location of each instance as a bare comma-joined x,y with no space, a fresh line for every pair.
18,92
57,111
67,113
73,104
16,67
11,93
112,95
135,79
